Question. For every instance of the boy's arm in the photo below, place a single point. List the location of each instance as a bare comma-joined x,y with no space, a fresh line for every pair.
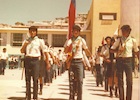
23,48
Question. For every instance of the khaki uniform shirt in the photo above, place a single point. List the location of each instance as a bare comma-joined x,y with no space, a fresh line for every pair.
80,46
128,43
105,51
33,49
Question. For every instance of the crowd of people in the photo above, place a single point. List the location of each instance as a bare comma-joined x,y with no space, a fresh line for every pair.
9,61
41,62
44,64
119,55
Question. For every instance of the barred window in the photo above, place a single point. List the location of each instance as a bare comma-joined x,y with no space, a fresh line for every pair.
3,39
17,39
43,36
58,40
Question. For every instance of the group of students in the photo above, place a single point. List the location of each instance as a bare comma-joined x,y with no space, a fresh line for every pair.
105,67
41,62
116,56
113,59
57,63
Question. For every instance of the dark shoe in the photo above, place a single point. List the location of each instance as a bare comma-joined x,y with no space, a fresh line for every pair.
116,94
40,92
27,98
111,94
101,84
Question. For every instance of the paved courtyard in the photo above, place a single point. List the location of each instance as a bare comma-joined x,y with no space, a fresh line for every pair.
13,88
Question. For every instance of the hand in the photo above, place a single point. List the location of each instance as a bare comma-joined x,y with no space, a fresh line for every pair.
122,49
89,68
108,60
48,66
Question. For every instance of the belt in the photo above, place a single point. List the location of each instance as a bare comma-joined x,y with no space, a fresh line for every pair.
124,58
77,59
33,58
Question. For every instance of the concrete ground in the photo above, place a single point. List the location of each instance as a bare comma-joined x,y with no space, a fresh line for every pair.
13,88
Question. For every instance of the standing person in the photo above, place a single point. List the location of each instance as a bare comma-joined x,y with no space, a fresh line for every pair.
19,62
60,57
31,48
4,59
99,76
111,70
77,44
125,44
41,72
106,64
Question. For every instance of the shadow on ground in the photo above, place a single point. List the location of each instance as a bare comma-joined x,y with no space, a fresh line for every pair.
16,98
54,99
23,98
104,95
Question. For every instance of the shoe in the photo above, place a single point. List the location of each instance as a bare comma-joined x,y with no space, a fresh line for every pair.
48,84
116,95
97,85
111,94
40,92
101,85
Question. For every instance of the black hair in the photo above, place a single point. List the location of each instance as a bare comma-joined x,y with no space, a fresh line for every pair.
34,28
126,28
76,27
4,48
108,37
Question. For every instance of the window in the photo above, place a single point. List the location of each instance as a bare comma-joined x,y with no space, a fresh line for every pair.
3,39
43,36
58,40
17,39
107,16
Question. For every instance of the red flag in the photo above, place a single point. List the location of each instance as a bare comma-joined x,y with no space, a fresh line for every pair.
72,10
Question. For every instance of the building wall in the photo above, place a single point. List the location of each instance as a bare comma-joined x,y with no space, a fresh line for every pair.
102,28
130,14
15,50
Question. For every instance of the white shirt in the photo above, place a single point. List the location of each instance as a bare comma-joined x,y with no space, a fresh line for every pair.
60,56
33,49
80,46
4,55
129,44
105,51
50,50
97,59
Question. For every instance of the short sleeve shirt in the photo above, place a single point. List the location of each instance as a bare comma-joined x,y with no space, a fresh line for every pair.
129,43
105,51
77,46
33,49
4,55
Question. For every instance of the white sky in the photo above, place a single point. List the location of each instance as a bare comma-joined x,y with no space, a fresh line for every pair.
12,11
